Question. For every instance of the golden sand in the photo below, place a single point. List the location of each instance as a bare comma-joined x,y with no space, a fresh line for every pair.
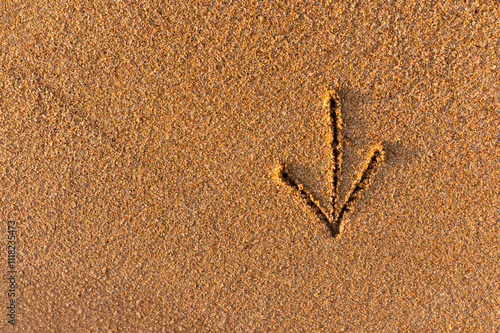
139,145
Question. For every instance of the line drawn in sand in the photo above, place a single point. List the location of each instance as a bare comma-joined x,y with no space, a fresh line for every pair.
334,216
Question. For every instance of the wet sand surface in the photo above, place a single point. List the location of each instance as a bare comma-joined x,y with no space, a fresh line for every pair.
140,141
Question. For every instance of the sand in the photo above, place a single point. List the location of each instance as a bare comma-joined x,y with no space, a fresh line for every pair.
139,146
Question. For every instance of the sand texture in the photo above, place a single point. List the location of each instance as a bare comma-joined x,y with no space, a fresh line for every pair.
167,164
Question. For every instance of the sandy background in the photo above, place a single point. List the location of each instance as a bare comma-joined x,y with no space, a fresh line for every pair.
138,140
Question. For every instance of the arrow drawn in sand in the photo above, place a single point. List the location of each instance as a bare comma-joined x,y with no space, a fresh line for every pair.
334,216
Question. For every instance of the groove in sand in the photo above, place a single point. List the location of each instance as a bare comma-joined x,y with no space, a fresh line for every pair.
333,218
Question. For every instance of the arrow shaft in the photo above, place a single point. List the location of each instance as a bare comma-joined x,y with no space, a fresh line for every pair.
334,105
